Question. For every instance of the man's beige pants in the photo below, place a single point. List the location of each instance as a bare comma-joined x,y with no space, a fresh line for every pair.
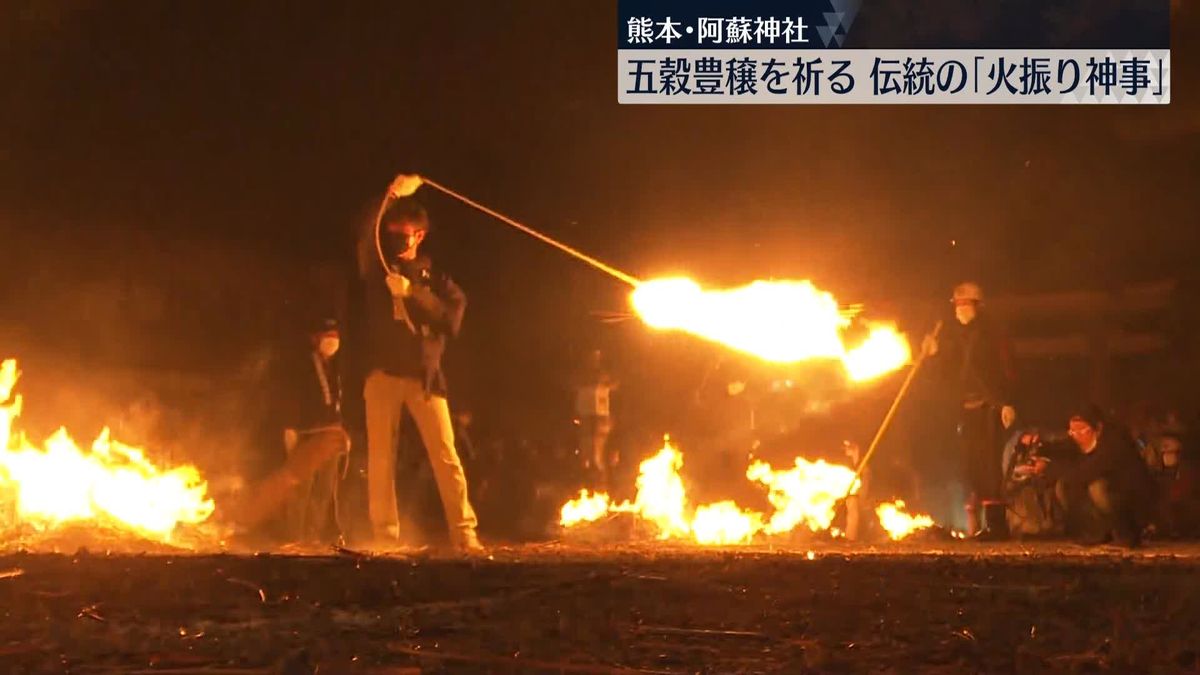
386,397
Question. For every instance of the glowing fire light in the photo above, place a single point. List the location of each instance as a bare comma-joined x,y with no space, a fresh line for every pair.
899,524
662,500
725,523
114,484
806,494
587,508
778,321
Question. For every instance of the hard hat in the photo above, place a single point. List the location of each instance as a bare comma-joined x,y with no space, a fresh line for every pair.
967,290
324,324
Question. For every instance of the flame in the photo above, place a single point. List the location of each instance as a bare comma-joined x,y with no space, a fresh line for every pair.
806,494
114,484
662,501
778,321
587,508
661,498
884,350
725,523
898,523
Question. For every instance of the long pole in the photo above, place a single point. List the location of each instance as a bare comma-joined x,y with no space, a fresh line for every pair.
891,414
602,266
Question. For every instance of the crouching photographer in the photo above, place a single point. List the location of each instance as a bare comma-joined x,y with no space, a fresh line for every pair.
1103,486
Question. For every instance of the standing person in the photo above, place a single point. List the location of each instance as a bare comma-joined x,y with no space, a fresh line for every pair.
411,312
593,413
973,359
308,414
314,396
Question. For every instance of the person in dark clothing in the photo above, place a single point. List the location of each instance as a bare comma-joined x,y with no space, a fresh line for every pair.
411,311
1177,478
973,359
594,384
308,414
1107,493
313,390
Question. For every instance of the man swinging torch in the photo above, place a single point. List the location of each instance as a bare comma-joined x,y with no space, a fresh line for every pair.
411,313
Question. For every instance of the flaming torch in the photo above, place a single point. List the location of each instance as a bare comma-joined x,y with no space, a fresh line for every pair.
777,321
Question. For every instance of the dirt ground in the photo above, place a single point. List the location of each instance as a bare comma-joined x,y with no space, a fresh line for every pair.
949,607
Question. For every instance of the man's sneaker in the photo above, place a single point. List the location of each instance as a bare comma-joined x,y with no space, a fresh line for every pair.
468,543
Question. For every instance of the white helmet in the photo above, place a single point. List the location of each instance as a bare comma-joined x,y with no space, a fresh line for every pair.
968,290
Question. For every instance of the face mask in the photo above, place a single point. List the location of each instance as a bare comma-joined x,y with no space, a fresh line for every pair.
964,313
397,244
328,346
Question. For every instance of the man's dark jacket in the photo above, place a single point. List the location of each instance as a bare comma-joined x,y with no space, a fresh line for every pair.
1116,460
975,361
435,306
301,403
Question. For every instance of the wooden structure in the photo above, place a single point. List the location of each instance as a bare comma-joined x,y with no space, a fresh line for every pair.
1099,326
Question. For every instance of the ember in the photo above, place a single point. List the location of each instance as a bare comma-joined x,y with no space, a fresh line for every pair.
779,321
114,485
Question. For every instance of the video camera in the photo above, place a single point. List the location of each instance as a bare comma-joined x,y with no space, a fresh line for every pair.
1035,455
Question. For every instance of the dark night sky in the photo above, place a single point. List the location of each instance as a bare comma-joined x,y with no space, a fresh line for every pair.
272,127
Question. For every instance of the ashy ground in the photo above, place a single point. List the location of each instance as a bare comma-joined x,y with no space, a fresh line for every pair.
901,608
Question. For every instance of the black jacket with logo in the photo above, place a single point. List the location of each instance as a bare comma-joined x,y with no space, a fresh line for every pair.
435,306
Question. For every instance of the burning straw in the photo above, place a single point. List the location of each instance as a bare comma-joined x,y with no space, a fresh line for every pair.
804,495
113,488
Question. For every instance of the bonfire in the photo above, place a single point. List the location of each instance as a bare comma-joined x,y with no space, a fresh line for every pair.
112,490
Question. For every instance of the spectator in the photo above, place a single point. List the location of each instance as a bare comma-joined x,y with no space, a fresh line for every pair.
1178,481
313,391
1108,491
594,385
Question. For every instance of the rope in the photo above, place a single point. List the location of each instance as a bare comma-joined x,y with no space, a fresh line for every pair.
600,265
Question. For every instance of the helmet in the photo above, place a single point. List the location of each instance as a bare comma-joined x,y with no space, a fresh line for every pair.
967,290
324,324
